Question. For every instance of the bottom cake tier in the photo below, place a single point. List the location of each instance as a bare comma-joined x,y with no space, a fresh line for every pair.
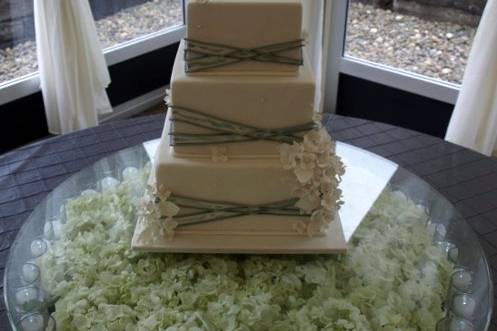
254,198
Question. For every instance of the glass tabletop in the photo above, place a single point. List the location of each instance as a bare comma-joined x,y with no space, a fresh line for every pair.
388,213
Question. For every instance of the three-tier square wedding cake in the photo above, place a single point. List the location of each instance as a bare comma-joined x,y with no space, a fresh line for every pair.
244,165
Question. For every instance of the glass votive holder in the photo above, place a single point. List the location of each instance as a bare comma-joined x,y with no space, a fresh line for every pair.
129,172
28,299
57,228
462,281
88,192
454,323
52,229
453,254
463,305
50,324
30,273
38,247
445,246
108,183
440,232
460,324
62,212
37,321
48,230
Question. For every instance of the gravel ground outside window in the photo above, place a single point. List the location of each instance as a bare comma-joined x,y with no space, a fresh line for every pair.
435,49
125,25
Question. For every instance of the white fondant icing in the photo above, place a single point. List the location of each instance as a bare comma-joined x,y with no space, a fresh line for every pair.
288,101
246,24
332,242
246,181
248,174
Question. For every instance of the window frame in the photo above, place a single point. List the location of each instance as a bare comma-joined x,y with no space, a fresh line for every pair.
338,62
30,83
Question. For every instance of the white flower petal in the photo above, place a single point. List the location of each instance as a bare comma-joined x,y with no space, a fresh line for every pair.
329,201
167,208
163,192
300,227
303,175
308,203
317,118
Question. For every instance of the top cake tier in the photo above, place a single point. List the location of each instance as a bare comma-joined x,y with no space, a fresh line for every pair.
265,34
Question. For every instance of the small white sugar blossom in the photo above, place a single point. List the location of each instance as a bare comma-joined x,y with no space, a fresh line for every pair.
300,227
327,185
307,160
289,155
317,140
158,212
167,208
303,175
324,160
318,172
309,202
328,201
167,98
317,118
169,226
219,154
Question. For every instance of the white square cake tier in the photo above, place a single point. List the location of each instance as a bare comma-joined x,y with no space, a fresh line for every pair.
259,101
249,182
246,24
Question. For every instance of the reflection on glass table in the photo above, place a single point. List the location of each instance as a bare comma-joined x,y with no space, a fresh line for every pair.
412,259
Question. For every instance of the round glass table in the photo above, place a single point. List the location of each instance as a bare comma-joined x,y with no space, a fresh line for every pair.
408,247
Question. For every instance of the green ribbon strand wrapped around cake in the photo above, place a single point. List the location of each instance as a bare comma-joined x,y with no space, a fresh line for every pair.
161,205
224,131
200,55
207,211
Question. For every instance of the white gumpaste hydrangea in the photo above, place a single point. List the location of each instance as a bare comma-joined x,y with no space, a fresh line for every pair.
318,171
158,212
392,278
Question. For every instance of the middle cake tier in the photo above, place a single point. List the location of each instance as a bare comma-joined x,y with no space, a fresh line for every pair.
266,105
245,182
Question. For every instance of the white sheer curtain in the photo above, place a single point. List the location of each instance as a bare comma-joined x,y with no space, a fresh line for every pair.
312,21
73,72
474,121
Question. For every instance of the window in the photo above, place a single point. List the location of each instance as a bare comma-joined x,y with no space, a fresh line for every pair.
415,36
120,21
419,46
17,39
126,28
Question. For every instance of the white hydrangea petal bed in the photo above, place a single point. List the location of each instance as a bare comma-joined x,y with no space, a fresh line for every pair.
392,277
318,172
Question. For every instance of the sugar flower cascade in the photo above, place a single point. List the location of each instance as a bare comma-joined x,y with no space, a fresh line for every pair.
318,171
